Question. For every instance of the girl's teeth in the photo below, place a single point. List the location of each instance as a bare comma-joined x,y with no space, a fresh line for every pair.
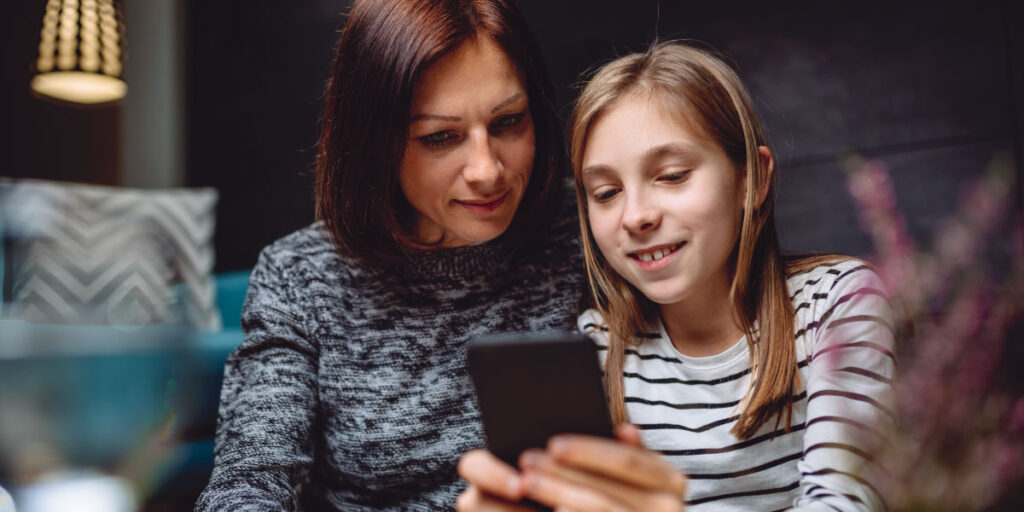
656,254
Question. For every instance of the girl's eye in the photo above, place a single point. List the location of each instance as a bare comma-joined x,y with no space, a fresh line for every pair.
436,140
675,177
507,123
605,194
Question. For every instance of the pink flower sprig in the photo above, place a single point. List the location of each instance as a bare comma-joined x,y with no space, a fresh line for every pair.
959,440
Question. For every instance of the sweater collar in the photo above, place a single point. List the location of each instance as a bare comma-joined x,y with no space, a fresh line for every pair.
478,260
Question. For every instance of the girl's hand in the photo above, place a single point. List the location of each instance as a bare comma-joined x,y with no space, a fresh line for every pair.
583,473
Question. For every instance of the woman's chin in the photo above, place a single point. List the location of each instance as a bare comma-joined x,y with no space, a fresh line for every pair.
475,235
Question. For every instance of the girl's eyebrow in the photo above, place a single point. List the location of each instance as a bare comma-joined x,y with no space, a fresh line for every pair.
596,170
435,117
648,157
670,148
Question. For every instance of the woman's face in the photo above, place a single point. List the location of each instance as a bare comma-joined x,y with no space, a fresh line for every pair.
471,145
664,204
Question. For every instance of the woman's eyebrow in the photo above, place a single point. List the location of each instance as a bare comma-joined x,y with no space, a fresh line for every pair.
435,117
509,101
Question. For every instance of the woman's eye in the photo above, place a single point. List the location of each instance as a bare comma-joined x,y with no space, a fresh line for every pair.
675,177
507,123
436,140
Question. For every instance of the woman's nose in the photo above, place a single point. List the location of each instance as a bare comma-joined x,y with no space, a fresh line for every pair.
483,166
640,215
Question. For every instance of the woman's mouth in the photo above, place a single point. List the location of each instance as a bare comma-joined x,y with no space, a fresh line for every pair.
485,205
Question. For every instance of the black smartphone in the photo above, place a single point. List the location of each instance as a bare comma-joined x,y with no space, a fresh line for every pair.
532,386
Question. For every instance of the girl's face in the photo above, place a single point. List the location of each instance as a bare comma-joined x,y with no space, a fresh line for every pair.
471,145
664,204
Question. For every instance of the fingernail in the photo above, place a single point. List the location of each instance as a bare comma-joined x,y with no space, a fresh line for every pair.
529,459
512,485
531,481
557,446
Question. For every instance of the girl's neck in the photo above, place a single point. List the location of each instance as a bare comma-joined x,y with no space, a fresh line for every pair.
704,324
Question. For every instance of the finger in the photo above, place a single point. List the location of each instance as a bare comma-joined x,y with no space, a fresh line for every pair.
472,500
629,434
535,461
618,461
555,492
485,471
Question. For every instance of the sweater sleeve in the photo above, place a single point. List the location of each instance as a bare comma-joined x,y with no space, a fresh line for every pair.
268,401
849,392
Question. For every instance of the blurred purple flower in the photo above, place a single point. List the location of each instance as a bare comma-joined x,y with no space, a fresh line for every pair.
959,441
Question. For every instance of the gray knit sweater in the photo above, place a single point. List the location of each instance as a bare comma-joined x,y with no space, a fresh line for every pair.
350,390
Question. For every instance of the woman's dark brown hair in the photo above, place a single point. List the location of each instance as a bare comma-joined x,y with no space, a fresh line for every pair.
383,49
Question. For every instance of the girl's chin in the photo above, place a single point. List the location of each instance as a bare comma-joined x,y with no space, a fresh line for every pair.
660,296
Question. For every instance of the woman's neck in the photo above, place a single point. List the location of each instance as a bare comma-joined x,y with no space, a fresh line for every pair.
704,324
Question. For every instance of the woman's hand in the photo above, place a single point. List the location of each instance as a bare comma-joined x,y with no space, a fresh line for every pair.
583,473
493,485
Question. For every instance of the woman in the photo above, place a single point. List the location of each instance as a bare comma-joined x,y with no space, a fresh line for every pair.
697,313
441,220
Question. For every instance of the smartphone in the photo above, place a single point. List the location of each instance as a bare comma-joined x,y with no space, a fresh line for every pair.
532,386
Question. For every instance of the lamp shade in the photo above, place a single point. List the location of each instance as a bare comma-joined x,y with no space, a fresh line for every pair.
80,49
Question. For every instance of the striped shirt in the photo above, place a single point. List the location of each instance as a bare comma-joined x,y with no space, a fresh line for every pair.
686,406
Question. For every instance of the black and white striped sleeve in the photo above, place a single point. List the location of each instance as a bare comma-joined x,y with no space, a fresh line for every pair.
849,393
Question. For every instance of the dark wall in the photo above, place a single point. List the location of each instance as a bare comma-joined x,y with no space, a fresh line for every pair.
934,92
254,75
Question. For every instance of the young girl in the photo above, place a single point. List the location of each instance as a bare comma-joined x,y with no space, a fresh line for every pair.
765,381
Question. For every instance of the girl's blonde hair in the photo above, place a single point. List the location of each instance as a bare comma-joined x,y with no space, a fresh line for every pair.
706,96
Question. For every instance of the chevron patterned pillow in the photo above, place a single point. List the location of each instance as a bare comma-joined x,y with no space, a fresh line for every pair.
107,255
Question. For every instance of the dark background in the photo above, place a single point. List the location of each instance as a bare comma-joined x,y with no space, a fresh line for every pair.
934,90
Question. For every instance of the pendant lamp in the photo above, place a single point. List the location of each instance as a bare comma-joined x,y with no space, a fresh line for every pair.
80,52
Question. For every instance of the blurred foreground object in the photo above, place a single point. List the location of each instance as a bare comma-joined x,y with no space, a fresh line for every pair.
112,342
81,492
959,442
6,503
80,51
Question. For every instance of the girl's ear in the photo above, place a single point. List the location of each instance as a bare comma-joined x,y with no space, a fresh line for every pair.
768,164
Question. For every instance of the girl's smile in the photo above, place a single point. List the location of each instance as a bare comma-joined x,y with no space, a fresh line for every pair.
656,257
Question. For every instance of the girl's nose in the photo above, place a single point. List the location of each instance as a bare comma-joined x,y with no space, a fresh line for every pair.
640,215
